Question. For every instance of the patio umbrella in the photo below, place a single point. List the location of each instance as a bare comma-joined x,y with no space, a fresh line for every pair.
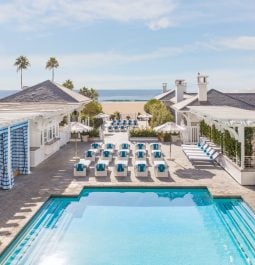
102,116
169,127
145,116
77,127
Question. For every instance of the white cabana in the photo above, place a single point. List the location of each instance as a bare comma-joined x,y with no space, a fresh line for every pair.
234,120
169,127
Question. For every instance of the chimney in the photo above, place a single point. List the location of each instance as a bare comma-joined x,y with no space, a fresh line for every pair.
164,85
202,87
180,89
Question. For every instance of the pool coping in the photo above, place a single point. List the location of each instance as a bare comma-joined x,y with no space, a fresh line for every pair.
27,223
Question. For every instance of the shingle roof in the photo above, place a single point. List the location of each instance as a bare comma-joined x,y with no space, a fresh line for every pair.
217,98
168,95
248,98
46,92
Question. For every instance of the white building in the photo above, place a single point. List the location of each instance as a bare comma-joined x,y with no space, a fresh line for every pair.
34,124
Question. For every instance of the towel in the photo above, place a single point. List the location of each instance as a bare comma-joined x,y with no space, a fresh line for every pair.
94,145
109,146
161,168
140,146
141,167
157,154
124,146
79,167
89,153
106,153
140,154
120,168
123,154
100,167
155,146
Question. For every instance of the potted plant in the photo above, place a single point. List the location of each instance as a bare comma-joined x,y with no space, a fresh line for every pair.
84,136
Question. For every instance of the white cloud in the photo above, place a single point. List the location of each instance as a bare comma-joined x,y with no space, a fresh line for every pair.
29,15
237,43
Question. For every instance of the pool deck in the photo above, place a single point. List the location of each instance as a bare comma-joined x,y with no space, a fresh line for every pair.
55,177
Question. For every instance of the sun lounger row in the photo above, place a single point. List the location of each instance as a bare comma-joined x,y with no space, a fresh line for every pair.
201,152
124,122
117,128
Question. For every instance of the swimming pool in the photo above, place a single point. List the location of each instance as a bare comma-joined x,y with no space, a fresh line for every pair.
137,226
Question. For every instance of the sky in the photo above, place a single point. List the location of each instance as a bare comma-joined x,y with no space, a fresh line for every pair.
134,44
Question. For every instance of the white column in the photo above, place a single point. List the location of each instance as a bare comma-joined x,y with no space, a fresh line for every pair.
9,164
28,146
242,141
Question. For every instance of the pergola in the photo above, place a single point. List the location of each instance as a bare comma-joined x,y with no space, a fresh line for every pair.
228,118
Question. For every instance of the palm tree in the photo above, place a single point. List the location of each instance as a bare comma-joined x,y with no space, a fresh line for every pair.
22,63
68,84
51,65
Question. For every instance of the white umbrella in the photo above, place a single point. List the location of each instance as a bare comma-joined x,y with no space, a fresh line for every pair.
145,116
169,127
77,127
102,116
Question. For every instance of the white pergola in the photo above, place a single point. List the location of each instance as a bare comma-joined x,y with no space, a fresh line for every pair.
228,118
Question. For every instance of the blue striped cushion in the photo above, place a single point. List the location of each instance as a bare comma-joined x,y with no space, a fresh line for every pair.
161,168
120,168
141,167
100,167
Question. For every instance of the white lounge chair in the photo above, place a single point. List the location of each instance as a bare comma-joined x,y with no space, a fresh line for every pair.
161,169
121,168
106,154
124,146
123,154
110,128
96,147
155,146
101,168
90,155
80,168
204,157
141,169
156,155
109,146
140,146
140,155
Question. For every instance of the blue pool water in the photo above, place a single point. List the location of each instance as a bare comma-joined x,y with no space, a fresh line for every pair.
138,226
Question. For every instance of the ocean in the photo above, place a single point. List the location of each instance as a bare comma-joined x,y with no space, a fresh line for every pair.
113,95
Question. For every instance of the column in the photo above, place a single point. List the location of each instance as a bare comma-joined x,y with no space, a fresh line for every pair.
9,164
242,141
28,146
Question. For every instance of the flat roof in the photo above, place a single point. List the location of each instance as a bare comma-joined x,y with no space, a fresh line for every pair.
11,113
230,115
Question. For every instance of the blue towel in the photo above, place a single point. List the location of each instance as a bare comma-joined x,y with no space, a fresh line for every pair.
140,146
100,167
79,167
106,153
140,154
157,154
94,145
161,168
124,146
109,146
123,154
135,122
116,127
141,167
89,153
120,168
155,146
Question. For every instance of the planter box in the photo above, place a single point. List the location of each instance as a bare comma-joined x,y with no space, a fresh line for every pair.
143,139
94,139
84,138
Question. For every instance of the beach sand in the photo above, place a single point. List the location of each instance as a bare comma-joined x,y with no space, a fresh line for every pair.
125,108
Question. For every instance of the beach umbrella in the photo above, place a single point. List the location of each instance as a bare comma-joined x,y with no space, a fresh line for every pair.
102,116
169,127
77,127
145,116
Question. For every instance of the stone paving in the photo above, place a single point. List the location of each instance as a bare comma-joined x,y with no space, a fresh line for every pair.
55,177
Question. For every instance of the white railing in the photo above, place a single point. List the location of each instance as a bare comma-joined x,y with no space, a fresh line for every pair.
249,162
191,135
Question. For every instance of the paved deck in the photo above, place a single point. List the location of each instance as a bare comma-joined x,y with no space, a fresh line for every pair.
55,176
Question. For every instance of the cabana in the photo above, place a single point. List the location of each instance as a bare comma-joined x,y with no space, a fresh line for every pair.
233,122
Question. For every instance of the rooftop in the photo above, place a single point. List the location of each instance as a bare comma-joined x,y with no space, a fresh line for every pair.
46,92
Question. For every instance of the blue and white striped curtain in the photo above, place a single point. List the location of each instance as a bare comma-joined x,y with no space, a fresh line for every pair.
6,180
19,148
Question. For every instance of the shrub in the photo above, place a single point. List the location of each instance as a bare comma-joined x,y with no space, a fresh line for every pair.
143,133
94,133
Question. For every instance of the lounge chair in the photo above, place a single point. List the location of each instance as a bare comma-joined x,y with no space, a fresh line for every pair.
123,128
135,123
155,146
80,168
156,155
204,157
141,169
96,147
101,168
109,146
110,128
140,155
90,155
116,128
124,146
121,168
209,151
161,169
123,154
106,155
140,146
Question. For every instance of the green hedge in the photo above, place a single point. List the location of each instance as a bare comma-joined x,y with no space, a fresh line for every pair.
143,133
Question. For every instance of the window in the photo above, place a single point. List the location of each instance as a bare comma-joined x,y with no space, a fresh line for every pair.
50,134
54,132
